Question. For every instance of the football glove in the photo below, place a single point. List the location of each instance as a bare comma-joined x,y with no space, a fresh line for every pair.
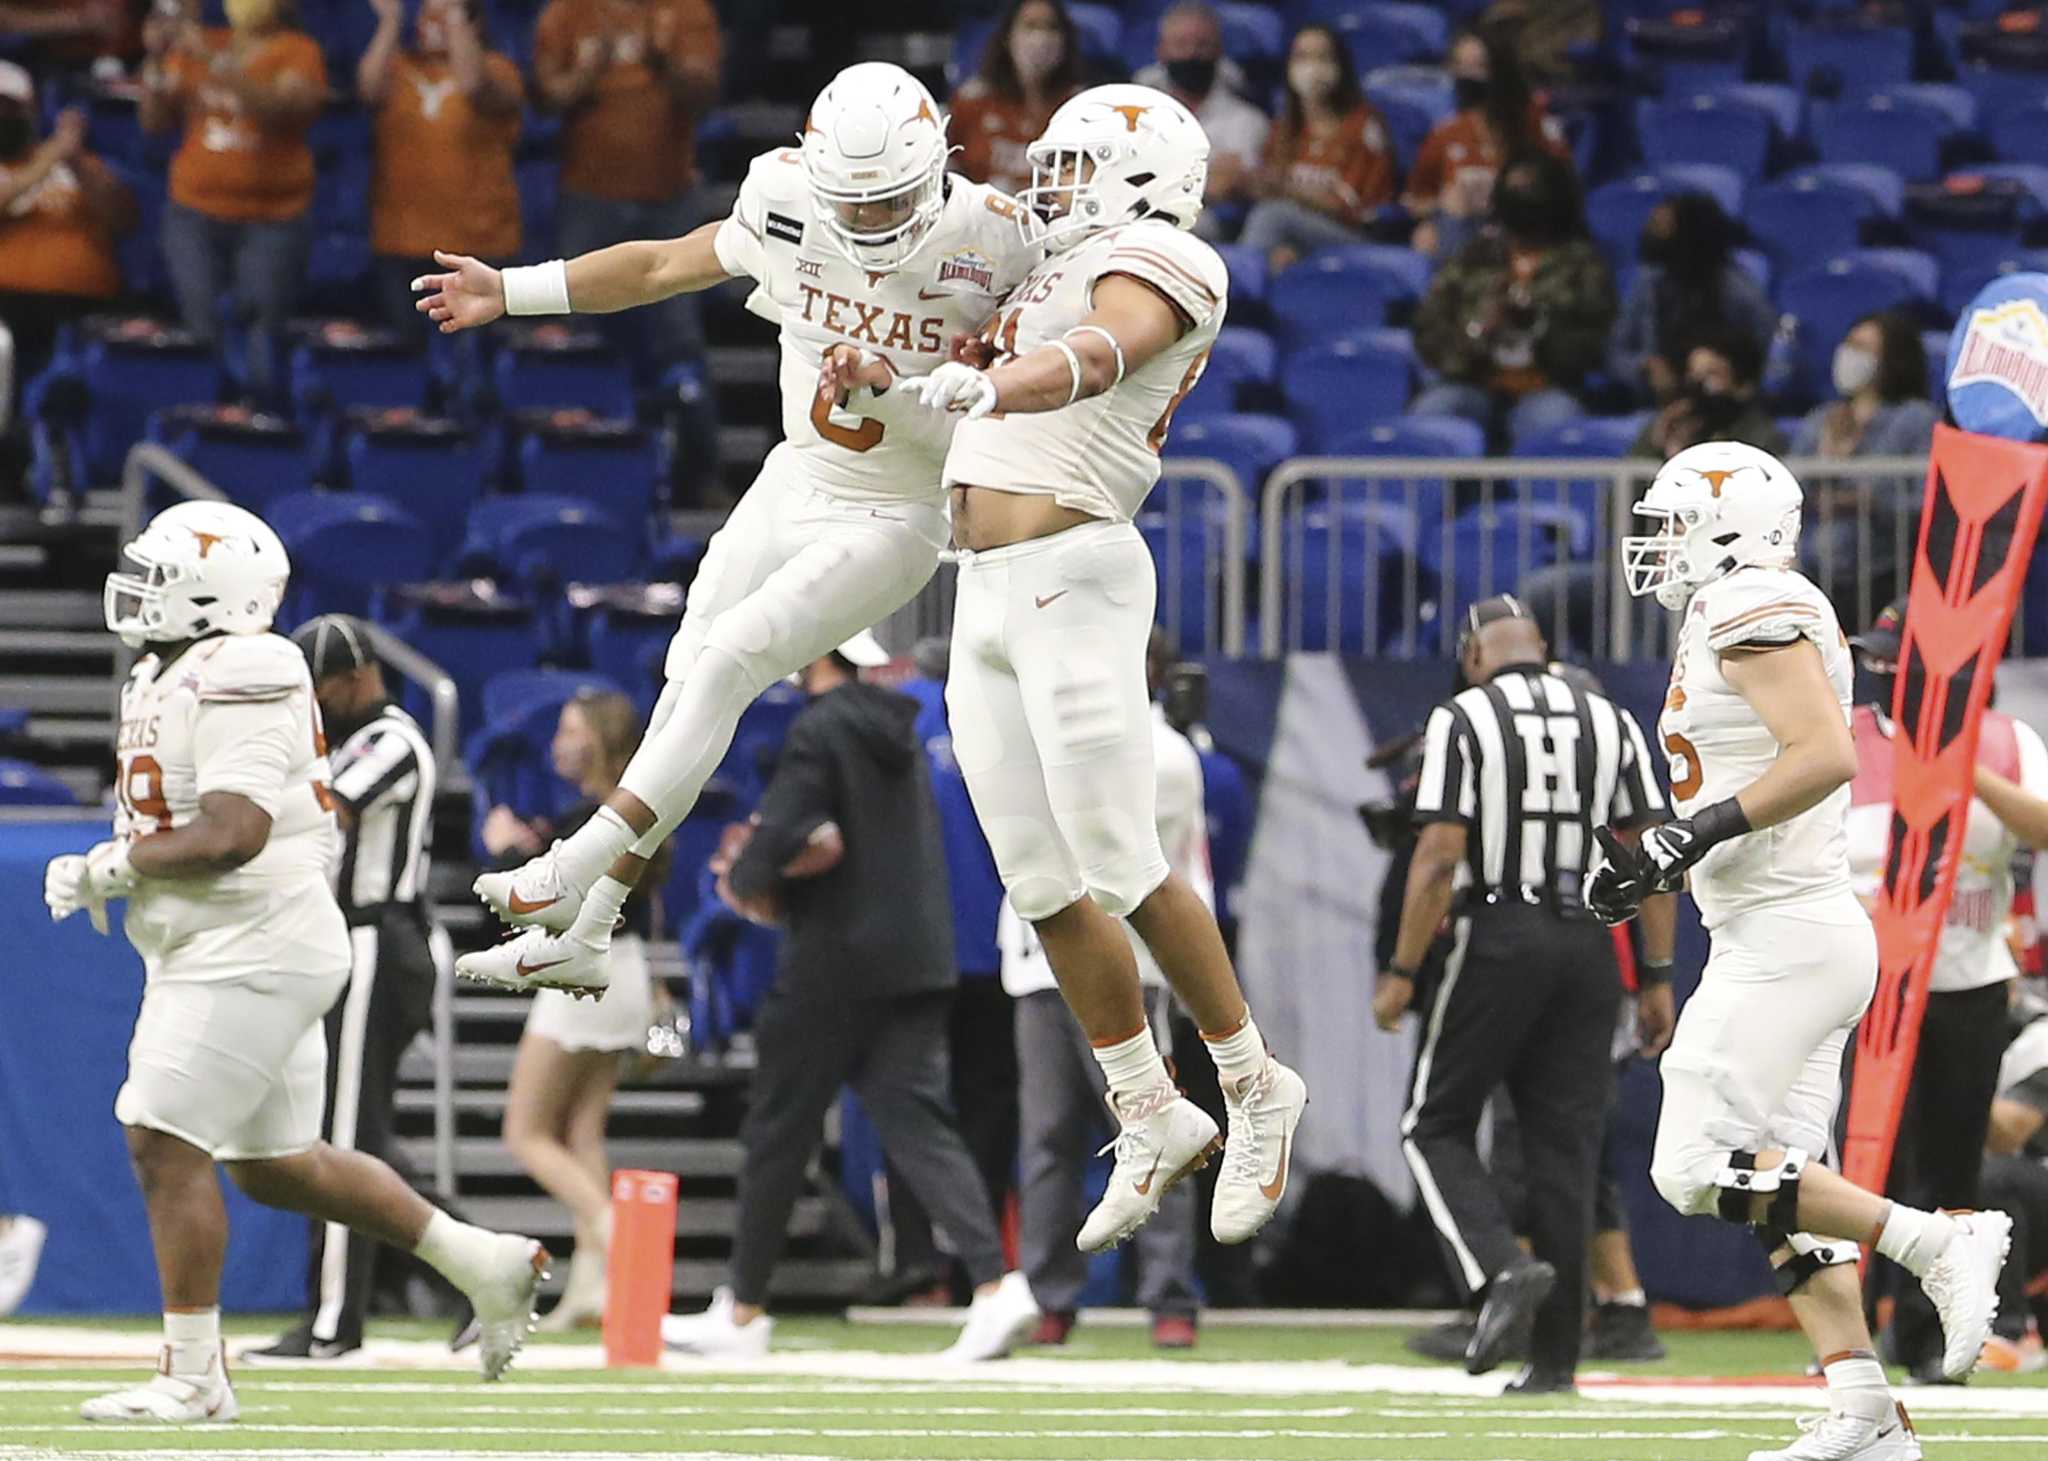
1618,881
89,880
954,386
1670,848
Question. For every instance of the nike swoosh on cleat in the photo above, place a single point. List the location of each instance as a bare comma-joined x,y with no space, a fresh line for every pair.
1144,1188
517,904
527,971
1048,598
1271,1190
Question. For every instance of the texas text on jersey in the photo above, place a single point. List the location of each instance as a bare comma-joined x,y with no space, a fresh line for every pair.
1718,744
214,719
1099,455
821,298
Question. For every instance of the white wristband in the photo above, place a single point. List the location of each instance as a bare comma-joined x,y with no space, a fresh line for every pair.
537,289
1115,348
1073,368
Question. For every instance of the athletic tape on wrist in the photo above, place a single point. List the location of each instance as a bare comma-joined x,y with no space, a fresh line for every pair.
537,289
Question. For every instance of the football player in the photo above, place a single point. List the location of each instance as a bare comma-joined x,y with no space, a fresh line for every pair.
222,847
872,258
1756,724
1058,445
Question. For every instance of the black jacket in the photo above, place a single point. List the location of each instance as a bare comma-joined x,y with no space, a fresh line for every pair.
880,923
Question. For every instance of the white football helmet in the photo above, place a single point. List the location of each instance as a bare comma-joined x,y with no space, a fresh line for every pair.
206,567
1722,505
874,150
1112,154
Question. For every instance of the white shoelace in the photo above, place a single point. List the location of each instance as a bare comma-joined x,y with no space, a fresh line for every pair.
1241,1153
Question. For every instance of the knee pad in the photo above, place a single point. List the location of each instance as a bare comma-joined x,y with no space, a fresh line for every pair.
743,636
1808,1255
1741,1180
1124,882
1687,1187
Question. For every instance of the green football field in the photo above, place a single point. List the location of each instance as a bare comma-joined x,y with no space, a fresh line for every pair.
842,1390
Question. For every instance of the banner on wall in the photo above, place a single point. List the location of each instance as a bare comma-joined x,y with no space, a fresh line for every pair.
1984,501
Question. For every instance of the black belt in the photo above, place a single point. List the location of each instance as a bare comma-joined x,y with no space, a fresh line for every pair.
369,914
1561,898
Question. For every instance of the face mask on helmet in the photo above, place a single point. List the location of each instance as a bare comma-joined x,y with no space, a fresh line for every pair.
137,606
884,232
1063,200
1657,563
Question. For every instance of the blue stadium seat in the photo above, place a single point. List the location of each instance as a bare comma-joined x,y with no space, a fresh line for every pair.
1804,220
23,784
582,372
471,642
1998,91
1449,437
630,647
1396,274
1897,132
1827,299
1246,268
1934,344
1755,263
1723,184
1960,286
1492,548
517,694
1956,105
2020,134
508,756
1187,555
1707,128
333,375
540,187
529,538
2031,176
1882,185
1784,106
1250,445
1589,436
1617,211
1319,297
1680,54
1855,57
1409,121
617,468
1379,34
255,460
1347,570
1242,362
1101,27
127,381
431,466
1253,34
1331,388
343,545
1917,267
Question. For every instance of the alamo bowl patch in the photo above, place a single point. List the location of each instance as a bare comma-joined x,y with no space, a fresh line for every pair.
1998,360
968,268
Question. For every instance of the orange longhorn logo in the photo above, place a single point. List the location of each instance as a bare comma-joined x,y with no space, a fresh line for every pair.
1715,478
206,540
924,112
811,126
1130,114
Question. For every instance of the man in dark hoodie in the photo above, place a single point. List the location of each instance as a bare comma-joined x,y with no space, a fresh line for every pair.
845,854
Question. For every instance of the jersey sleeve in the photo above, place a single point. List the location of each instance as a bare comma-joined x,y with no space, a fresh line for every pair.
251,667
247,747
1177,264
1446,792
1768,610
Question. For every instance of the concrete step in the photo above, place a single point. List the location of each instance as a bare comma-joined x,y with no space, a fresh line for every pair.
58,694
680,1105
743,365
712,1217
54,608
487,1157
74,733
93,644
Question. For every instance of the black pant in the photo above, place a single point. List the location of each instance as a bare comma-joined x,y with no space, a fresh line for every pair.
389,1000
1940,1155
893,1053
2018,1186
1528,1001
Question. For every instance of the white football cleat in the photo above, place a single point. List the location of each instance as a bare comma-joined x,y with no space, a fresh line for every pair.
714,1334
1163,1137
1263,1110
504,1300
996,1321
1963,1284
170,1399
1840,1437
21,1249
537,959
532,895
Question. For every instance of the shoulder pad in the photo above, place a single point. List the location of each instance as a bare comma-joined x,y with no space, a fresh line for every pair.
249,667
1765,606
777,175
1173,261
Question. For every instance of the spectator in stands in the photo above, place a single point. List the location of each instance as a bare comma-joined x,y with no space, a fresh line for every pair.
1518,318
242,179
1031,64
1191,69
1451,185
1328,165
1689,282
1717,400
630,78
1545,33
447,119
60,209
568,1063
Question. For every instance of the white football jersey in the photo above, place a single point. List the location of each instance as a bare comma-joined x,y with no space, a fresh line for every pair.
1973,951
820,298
232,713
1099,456
1718,744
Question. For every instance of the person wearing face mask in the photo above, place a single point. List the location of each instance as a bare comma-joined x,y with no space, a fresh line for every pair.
242,179
1193,70
1450,187
447,120
1329,164
60,209
1716,400
1515,321
1688,283
1031,64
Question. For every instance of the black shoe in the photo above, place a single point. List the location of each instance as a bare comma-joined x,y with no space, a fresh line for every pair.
1512,1300
300,1344
1622,1332
1533,1381
1446,1342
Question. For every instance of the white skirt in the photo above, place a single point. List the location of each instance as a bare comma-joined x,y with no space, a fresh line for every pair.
619,1021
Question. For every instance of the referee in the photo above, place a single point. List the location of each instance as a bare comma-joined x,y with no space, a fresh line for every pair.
1517,772
383,787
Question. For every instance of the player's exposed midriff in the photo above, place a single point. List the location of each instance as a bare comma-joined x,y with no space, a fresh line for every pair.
989,517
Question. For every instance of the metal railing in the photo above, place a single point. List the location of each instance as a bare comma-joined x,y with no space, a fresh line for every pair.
1381,555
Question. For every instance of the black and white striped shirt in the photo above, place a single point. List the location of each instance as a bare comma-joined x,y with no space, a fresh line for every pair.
1531,764
384,775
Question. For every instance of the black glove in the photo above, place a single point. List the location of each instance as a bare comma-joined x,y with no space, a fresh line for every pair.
1619,881
1668,849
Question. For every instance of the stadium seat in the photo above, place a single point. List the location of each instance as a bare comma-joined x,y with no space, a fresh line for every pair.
1998,90
530,538
1331,388
1617,211
1323,295
1250,445
429,465
1246,268
1253,34
630,646
540,186
1755,263
1897,132
2031,176
1187,556
1693,51
1708,128
560,367
1850,57
1828,298
330,374
1395,273
1882,185
1784,106
1411,100
1347,577
255,459
1955,103
508,756
1101,27
1449,437
1804,219
1960,286
1934,344
1917,267
1242,362
613,464
1490,549
1589,436
23,784
342,546
128,379
1380,34
470,639
1722,184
